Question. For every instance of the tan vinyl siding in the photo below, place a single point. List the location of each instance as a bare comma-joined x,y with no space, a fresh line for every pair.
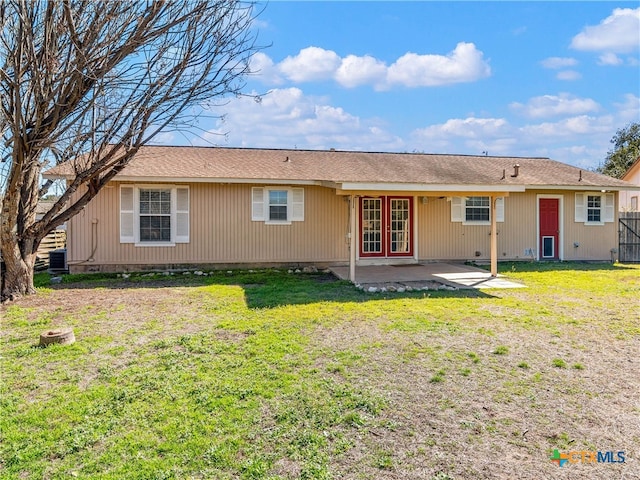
625,202
221,231
439,238
595,241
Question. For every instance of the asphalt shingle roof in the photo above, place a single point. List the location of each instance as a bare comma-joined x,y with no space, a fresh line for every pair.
216,163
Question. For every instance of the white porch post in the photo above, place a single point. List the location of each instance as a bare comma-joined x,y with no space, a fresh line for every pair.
494,237
352,238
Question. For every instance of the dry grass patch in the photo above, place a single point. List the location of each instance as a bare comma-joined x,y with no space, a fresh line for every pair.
480,410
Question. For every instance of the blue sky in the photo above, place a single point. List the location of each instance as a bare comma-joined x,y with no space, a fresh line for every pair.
553,79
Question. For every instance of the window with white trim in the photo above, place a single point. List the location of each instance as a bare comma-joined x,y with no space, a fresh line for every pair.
475,210
634,203
278,202
594,208
277,205
153,215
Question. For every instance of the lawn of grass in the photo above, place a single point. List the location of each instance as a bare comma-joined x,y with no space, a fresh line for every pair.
265,374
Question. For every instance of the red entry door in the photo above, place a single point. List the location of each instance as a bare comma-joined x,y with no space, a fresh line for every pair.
386,227
549,229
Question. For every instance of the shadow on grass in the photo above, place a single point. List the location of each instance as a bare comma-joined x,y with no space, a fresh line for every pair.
313,289
262,289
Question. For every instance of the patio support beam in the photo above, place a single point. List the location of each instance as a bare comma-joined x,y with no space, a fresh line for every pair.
494,237
352,238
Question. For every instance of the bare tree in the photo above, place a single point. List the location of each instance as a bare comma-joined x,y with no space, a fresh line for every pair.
89,82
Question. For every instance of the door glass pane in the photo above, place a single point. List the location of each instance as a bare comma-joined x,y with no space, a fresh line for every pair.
547,247
400,231
371,225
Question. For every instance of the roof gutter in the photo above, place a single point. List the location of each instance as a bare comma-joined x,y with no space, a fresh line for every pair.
585,188
153,179
363,186
261,181
430,187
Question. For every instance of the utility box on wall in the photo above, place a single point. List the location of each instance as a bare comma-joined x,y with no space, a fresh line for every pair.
58,261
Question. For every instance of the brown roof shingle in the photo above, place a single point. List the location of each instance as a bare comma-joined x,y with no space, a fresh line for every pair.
216,163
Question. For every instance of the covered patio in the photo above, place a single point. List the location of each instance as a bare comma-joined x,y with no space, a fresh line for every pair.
450,274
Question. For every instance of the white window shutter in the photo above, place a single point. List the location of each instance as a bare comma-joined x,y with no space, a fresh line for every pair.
609,207
457,209
580,215
500,209
257,204
297,205
182,215
127,214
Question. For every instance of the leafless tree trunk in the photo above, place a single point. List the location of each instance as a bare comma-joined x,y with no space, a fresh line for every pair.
89,82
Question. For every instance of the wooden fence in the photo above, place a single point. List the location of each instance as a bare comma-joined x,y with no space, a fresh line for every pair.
629,237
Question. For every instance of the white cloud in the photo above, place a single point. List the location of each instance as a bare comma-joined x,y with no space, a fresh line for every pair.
263,67
466,128
260,24
355,71
467,135
555,105
629,109
164,138
569,75
558,63
616,33
555,63
287,118
580,140
581,125
311,64
610,59
464,64
519,31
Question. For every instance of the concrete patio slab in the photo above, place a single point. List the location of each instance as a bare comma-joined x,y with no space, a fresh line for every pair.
454,275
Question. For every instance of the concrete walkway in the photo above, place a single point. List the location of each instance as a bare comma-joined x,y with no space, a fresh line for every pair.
453,275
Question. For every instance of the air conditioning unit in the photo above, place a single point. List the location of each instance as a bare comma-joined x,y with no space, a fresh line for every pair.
58,261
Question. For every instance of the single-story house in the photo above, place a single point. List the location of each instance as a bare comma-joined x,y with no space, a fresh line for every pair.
211,206
629,199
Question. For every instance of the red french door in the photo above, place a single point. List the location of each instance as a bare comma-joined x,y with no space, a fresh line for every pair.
549,229
386,227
